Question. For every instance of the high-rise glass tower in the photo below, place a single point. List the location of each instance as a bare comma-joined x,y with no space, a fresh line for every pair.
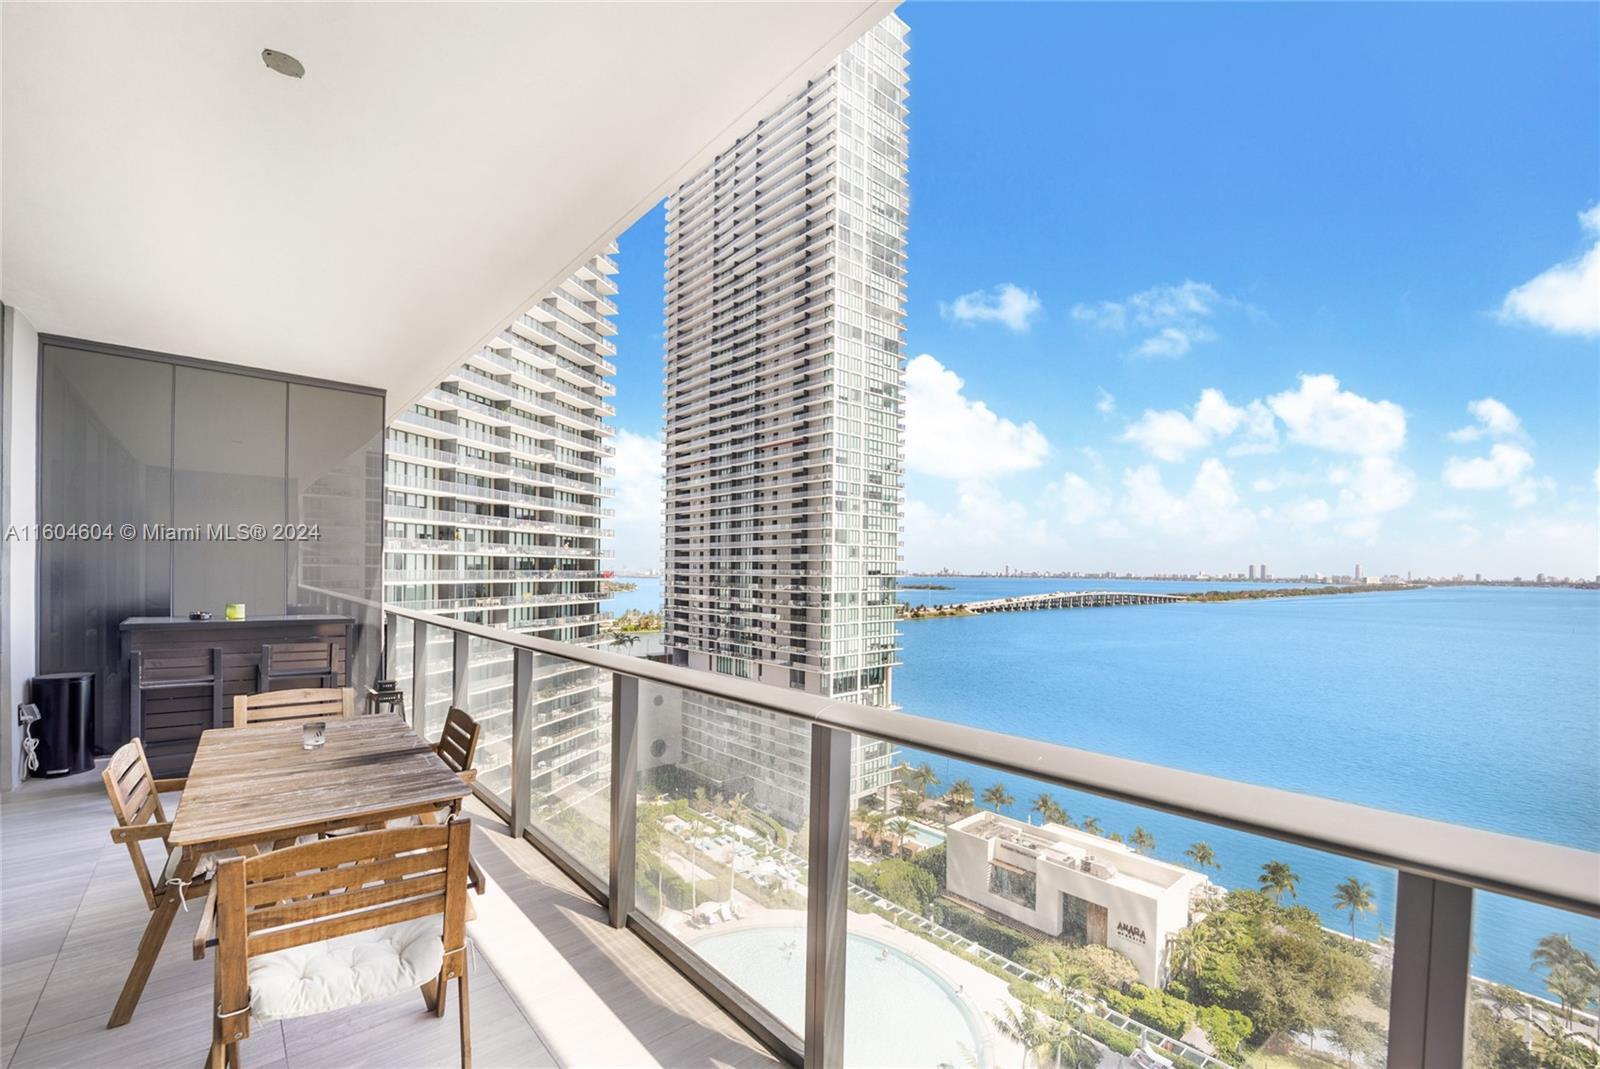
785,307
494,510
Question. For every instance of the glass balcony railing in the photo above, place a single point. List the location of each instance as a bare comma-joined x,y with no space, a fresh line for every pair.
861,886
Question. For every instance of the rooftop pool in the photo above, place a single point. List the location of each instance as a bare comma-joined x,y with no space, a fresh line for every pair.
898,1012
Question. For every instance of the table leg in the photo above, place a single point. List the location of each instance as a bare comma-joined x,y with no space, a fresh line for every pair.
155,934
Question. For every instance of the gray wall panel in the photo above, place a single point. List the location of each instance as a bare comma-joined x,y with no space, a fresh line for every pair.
139,438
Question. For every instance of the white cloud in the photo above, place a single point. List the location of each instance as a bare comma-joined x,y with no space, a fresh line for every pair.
1007,304
1451,515
1378,485
1508,464
1284,479
981,524
1168,435
1105,403
1493,419
1505,465
1209,510
1566,298
1178,315
1171,435
1171,341
1525,492
1080,500
1310,511
638,500
1320,414
1372,487
1552,544
954,437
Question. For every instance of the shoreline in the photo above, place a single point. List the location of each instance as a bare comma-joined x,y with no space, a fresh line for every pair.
1199,597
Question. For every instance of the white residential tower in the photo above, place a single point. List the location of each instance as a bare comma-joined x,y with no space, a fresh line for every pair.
785,301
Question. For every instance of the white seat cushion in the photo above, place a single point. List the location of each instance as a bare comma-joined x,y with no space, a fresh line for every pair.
345,971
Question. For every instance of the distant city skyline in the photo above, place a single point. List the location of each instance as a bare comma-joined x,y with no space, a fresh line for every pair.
1158,318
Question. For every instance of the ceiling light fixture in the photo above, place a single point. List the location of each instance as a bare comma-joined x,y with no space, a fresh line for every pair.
283,63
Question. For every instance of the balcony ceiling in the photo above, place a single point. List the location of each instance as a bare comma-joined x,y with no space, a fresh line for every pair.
438,168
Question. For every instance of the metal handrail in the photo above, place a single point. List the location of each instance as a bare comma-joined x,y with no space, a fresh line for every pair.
1563,877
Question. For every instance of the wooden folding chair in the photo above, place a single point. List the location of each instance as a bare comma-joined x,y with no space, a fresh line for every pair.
457,746
283,924
291,706
136,803
319,662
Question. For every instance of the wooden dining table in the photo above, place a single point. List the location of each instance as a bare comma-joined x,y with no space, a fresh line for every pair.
254,786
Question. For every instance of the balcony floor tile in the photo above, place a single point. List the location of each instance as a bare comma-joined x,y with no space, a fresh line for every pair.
552,983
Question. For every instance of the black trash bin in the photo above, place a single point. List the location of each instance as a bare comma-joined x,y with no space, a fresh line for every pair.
65,728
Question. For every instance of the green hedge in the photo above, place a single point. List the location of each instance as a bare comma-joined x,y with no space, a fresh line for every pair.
1227,1028
932,861
1109,1034
675,889
1007,942
1154,1008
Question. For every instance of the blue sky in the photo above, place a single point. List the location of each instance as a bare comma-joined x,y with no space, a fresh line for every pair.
1198,286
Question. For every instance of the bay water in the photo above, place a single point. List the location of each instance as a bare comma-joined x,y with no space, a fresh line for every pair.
1473,705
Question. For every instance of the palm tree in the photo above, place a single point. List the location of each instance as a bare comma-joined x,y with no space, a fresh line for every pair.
901,828
1573,988
1091,825
922,778
959,796
1573,976
1142,841
1352,896
1066,1046
649,847
737,809
997,797
1022,1029
1043,805
910,805
1186,951
1203,856
1278,879
1554,951
875,819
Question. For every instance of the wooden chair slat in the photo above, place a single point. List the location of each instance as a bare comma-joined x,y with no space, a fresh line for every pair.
296,696
146,810
365,899
332,879
333,927
296,860
130,772
282,706
136,798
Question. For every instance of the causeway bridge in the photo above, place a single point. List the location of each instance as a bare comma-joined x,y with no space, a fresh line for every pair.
1068,599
